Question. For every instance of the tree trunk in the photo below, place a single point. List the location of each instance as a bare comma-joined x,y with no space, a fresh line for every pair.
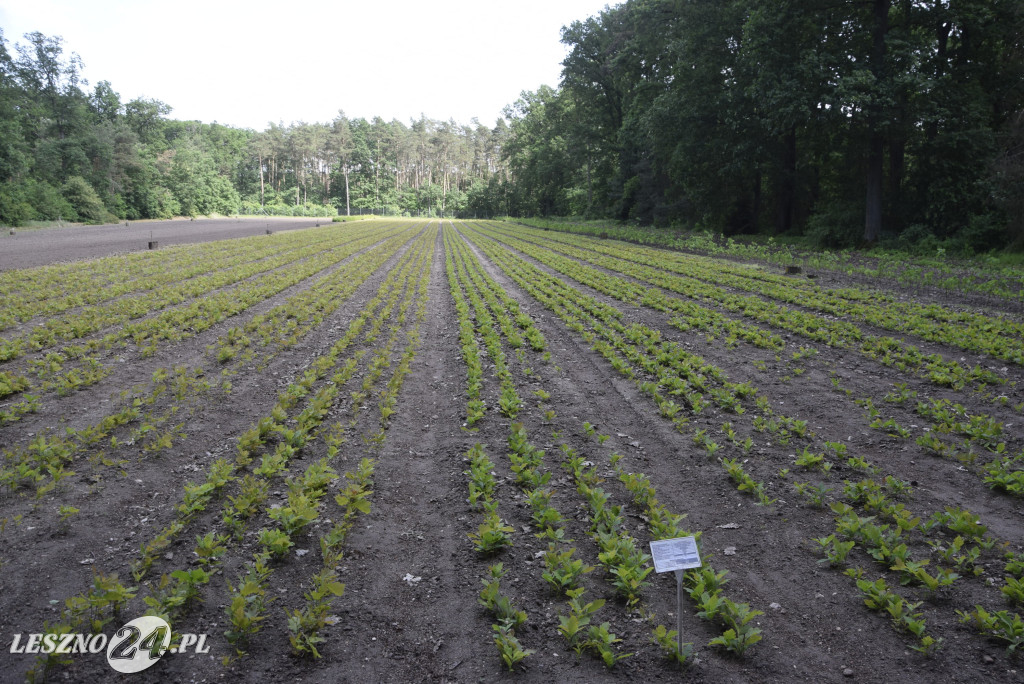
787,183
942,30
897,168
347,210
590,186
755,209
876,139
873,203
261,180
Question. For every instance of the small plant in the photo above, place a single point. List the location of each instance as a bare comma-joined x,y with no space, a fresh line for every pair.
901,394
482,481
90,609
511,651
509,402
740,634
276,542
174,592
563,573
1014,564
835,551
489,594
815,494
1002,625
859,463
571,626
600,639
962,522
492,535
669,643
810,460
249,602
1014,590
305,623
898,488
914,571
210,548
64,515
299,513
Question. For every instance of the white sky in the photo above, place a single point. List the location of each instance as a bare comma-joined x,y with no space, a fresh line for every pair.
249,63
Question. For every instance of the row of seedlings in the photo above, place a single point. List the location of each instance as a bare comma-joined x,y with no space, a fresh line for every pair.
493,534
174,592
180,313
626,566
826,329
997,336
41,462
809,459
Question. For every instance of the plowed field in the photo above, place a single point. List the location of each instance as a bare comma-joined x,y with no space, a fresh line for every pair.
402,450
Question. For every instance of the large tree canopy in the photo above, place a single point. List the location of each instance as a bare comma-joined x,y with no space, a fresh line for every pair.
851,120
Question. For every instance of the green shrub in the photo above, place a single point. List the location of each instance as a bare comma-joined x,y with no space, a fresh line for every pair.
83,198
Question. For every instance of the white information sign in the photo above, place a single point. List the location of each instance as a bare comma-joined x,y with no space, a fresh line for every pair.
675,554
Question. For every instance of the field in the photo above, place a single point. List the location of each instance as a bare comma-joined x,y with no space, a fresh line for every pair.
33,247
400,450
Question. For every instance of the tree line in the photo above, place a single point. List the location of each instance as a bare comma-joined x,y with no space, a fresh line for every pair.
74,153
852,121
849,121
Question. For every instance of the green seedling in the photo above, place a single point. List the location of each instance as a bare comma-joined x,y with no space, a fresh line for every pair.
1013,590
210,548
571,626
492,535
563,572
669,643
64,515
815,494
276,542
835,551
509,647
740,635
1002,625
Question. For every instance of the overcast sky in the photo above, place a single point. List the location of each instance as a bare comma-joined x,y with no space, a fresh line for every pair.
249,63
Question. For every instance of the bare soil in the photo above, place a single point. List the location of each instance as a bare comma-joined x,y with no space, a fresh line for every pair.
38,247
410,612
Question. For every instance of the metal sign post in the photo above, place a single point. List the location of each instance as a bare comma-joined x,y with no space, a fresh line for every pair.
677,554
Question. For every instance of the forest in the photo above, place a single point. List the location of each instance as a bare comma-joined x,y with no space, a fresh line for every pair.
845,123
